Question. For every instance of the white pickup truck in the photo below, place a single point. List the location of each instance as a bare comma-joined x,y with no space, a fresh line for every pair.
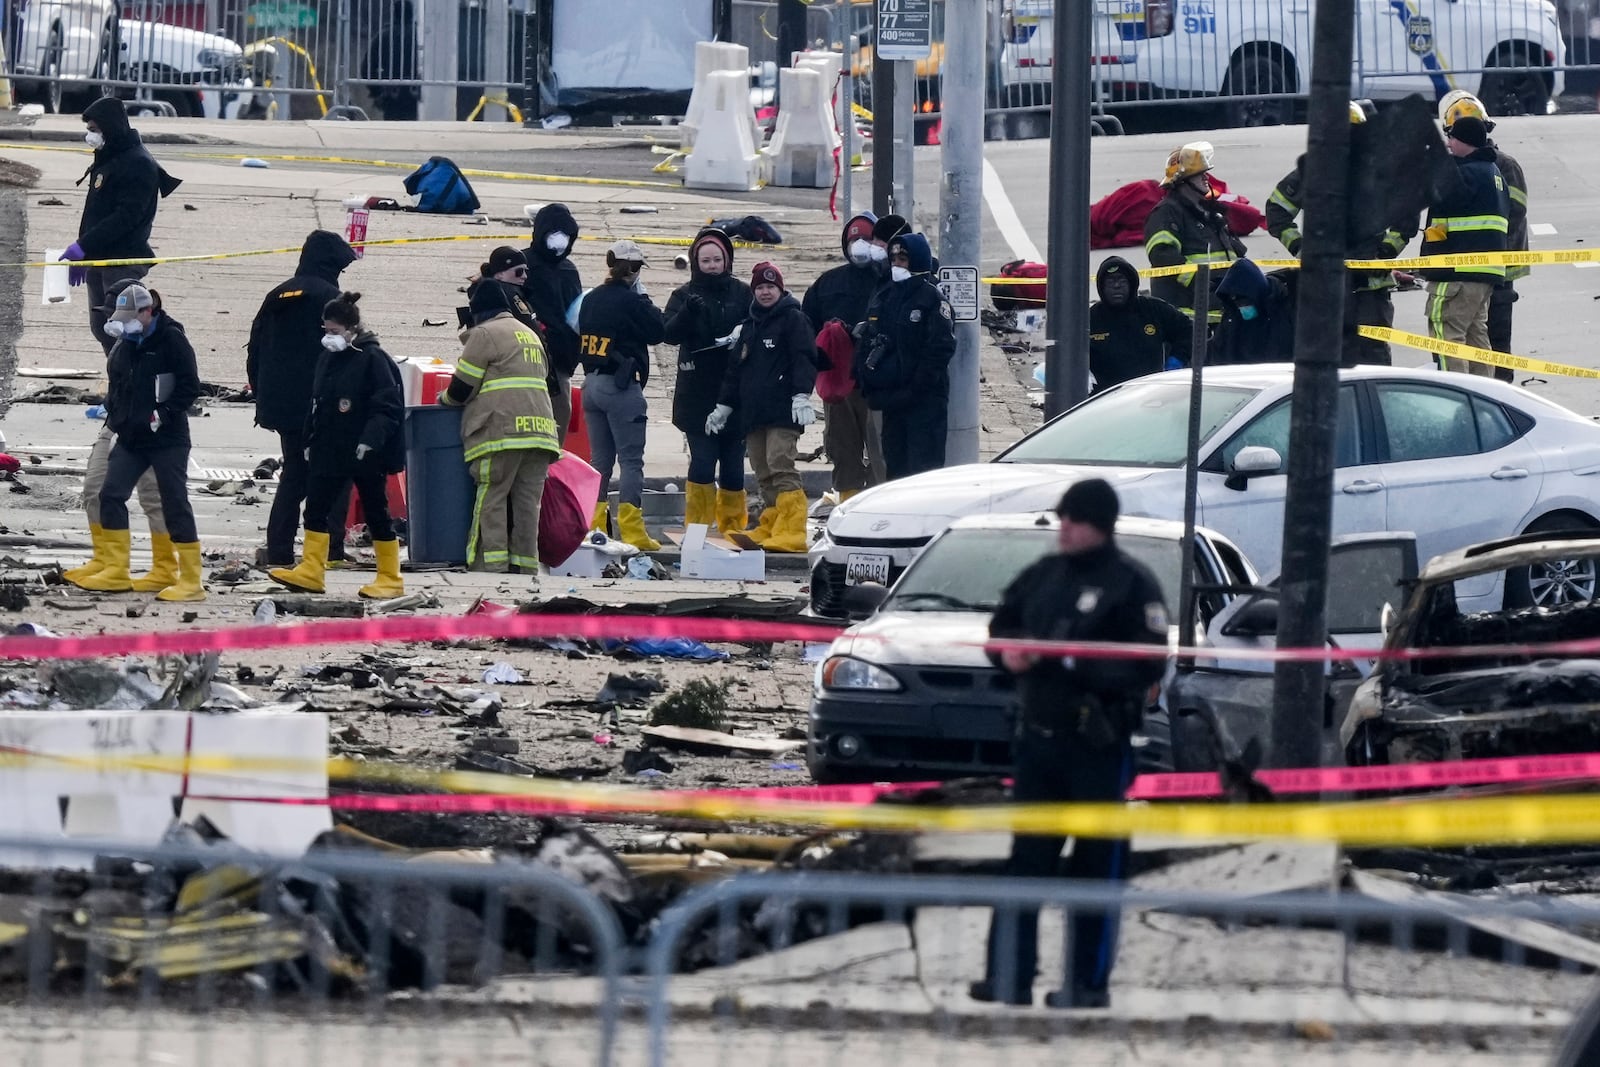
75,49
1508,52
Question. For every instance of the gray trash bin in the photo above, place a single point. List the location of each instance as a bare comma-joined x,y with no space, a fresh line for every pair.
439,490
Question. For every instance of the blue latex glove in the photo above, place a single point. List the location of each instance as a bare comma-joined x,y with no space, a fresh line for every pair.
1174,363
75,275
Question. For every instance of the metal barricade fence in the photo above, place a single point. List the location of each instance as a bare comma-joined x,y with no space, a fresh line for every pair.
1231,61
211,955
878,968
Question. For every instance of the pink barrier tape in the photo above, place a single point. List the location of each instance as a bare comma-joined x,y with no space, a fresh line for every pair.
444,628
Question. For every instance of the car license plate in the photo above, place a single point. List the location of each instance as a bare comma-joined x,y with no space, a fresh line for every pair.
866,567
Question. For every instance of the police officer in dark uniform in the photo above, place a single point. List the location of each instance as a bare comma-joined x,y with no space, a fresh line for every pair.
125,184
1073,736
280,364
1132,335
902,360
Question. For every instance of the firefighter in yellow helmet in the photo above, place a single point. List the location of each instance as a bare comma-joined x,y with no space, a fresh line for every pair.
1369,301
1462,104
1188,226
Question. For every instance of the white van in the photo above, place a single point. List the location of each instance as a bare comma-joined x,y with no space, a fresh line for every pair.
1508,52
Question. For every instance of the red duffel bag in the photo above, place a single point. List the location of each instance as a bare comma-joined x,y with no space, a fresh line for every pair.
571,491
1020,297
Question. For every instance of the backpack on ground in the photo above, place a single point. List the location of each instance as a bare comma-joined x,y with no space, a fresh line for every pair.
441,188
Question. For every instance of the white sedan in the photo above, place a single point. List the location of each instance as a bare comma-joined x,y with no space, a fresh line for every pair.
1454,458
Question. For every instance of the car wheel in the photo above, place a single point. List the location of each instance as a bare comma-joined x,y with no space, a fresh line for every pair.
1554,583
51,70
1515,92
186,105
1252,74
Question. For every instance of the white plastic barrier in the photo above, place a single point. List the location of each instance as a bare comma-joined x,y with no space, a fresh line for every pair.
711,57
725,155
801,152
829,65
53,795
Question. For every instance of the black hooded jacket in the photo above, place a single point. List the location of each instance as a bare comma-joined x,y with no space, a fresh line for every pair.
286,336
1135,338
356,399
709,307
553,284
776,357
843,292
153,374
1267,338
125,184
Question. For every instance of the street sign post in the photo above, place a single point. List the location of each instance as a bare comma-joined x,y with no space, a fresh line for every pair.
960,286
905,29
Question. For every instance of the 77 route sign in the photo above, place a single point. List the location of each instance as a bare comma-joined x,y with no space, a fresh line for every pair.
905,29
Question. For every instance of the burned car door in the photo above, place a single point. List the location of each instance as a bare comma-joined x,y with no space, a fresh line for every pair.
1220,703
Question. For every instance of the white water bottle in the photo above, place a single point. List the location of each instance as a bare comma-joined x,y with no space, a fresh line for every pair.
56,289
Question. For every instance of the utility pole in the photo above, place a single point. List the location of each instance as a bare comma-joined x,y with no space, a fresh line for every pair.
1066,299
961,214
791,32
884,123
440,36
1300,689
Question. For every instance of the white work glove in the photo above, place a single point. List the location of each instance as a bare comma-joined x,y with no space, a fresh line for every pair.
308,453
718,419
732,338
801,409
361,452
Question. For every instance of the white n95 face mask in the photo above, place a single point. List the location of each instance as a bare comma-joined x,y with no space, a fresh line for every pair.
132,328
899,274
113,328
880,253
861,252
94,139
334,342
558,242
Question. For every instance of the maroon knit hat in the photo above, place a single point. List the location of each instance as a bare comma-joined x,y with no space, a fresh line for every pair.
766,272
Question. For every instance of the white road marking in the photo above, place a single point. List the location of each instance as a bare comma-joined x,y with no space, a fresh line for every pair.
1005,216
1586,266
1541,229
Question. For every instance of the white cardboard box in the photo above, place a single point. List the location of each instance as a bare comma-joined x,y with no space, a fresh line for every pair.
707,560
586,562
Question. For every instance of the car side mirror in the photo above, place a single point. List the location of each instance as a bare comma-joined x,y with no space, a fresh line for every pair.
1253,461
1259,618
860,601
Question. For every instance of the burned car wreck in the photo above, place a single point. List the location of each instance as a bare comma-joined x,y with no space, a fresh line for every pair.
1514,699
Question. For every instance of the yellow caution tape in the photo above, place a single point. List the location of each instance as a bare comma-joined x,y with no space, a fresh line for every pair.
1478,355
1522,819
506,175
1548,258
208,256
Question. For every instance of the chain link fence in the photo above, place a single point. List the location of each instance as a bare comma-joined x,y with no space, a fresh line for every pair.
201,954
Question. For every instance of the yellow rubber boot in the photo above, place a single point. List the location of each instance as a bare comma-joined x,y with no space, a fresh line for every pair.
163,566
388,584
763,527
733,511
789,529
630,524
846,494
602,518
308,575
113,577
187,587
699,504
96,562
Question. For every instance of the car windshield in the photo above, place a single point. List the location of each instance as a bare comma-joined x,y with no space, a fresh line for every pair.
969,570
1140,424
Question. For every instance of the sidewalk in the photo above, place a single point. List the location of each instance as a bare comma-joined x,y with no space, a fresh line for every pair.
409,291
